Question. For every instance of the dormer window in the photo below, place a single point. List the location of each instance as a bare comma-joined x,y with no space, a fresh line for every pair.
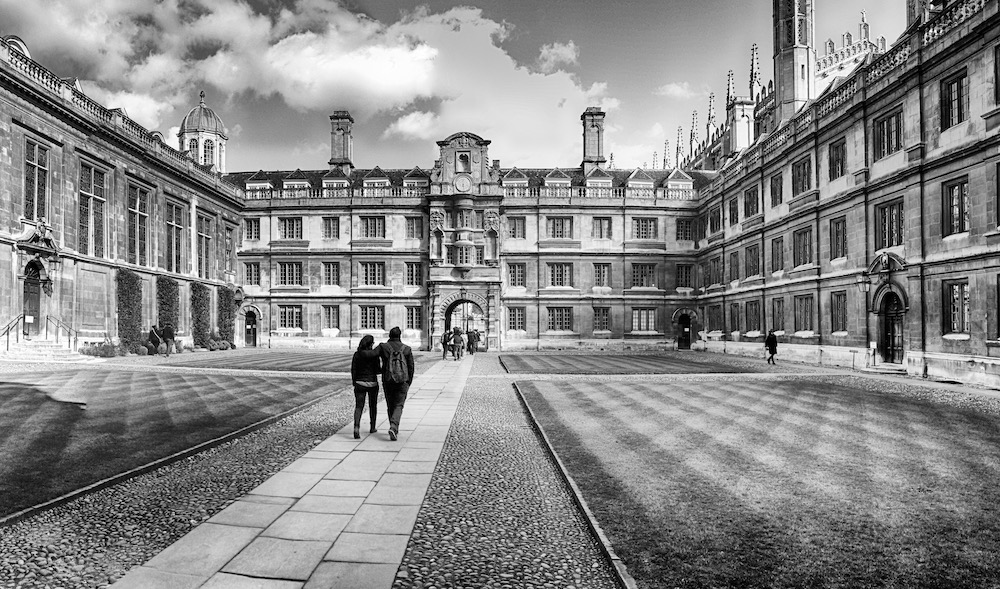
463,163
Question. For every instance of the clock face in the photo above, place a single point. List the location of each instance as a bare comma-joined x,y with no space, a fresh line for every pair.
463,183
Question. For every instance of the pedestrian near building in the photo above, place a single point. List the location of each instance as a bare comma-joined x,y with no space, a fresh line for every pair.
154,341
365,367
458,344
168,337
771,343
397,375
445,343
473,341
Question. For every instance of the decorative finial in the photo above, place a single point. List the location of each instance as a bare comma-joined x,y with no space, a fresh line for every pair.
864,16
611,161
201,95
666,154
654,160
730,89
711,112
680,144
755,84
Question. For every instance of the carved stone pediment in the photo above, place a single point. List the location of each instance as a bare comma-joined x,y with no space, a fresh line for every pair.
37,240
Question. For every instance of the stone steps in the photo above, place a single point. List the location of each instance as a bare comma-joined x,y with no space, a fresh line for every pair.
41,350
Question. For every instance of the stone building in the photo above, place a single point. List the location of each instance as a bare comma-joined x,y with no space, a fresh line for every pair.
86,191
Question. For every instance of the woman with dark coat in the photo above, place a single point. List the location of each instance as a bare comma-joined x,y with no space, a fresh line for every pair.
365,367
771,343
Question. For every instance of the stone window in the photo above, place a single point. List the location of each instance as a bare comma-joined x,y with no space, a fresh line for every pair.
715,265
138,224
801,176
644,319
331,273
777,254
372,317
888,131
838,238
561,274
414,318
778,314
559,227
838,310
684,230
752,260
208,158
290,316
838,159
802,252
776,186
753,315
560,318
230,250
734,211
734,317
414,274
684,276
644,228
252,273
956,307
602,228
373,227
602,319
251,229
331,316
372,273
331,227
804,313
956,207
289,227
954,100
90,238
414,228
715,220
516,273
643,275
751,203
715,318
290,273
734,266
515,227
463,162
204,246
36,179
889,231
515,319
602,274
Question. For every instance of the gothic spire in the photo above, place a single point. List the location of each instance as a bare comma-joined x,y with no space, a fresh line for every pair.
680,144
710,124
694,133
730,89
755,83
666,154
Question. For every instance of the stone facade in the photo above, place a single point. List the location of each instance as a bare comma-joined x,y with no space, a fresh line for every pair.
84,192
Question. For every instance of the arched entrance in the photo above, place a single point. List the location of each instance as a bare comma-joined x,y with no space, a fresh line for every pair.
891,328
250,329
34,276
467,316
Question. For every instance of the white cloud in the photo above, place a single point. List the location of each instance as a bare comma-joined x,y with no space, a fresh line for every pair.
656,131
554,55
415,125
678,90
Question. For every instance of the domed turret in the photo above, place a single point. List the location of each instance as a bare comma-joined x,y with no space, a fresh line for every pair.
203,135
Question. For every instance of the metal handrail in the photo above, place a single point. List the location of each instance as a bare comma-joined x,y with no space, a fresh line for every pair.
59,326
5,332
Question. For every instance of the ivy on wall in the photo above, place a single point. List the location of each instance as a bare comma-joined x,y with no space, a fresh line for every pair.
168,302
200,314
129,291
227,313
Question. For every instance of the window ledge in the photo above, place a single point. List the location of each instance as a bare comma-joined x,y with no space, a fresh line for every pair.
839,334
956,236
957,336
806,333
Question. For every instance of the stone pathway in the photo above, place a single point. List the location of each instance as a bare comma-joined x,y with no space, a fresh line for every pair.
339,516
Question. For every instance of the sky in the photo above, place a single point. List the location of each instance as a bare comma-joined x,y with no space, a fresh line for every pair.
516,72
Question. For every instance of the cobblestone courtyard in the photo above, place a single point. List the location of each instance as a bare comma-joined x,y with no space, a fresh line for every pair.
497,512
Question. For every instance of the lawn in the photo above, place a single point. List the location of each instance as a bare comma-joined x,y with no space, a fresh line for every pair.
668,363
49,447
821,482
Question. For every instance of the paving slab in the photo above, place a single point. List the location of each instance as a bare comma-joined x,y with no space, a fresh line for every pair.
146,578
343,488
250,514
354,575
230,581
419,454
383,519
337,444
328,504
399,489
277,558
326,455
373,548
288,484
204,550
362,466
312,465
415,467
304,525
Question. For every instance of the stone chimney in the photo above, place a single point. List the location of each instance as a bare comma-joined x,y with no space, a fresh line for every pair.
341,141
593,139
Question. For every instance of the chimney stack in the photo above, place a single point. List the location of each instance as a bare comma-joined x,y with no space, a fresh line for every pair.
341,141
593,139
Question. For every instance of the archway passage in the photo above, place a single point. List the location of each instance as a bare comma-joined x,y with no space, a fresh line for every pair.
467,316
32,298
891,329
684,332
250,329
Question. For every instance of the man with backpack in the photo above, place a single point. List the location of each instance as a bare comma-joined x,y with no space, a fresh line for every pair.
397,374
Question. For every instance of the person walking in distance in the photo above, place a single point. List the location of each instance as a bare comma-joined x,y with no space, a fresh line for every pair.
445,344
771,343
473,341
365,367
397,375
458,344
168,337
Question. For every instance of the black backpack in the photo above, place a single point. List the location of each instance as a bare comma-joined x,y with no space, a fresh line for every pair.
396,369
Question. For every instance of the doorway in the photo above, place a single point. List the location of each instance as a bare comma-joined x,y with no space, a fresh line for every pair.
891,342
684,337
32,299
467,316
250,331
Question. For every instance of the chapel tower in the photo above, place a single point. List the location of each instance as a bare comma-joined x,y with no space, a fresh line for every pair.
593,139
794,56
341,141
203,136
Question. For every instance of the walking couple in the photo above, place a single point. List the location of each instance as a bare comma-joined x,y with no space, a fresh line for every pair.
394,361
